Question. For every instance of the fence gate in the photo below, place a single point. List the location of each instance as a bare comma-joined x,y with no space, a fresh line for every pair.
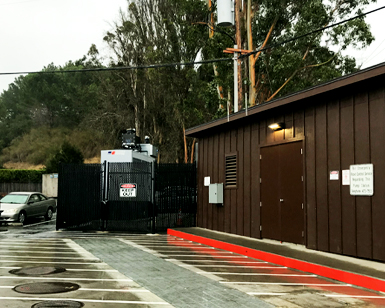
79,197
139,196
128,200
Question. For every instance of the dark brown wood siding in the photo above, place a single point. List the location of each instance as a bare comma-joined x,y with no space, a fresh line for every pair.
340,128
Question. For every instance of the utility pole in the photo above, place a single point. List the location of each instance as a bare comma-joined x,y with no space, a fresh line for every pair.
239,45
252,58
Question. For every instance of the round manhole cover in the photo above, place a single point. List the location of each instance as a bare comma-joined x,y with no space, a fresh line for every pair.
33,271
46,287
58,303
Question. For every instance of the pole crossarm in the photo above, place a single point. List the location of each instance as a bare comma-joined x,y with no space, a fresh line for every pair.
241,51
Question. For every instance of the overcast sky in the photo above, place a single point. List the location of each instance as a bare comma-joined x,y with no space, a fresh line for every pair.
35,33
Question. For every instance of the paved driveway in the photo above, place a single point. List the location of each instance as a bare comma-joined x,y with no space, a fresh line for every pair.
121,270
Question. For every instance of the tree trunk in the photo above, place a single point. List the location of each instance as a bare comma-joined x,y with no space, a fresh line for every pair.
239,44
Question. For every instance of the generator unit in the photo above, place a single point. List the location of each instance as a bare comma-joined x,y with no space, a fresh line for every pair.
132,150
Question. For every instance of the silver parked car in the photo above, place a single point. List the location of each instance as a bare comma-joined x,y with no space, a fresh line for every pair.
17,206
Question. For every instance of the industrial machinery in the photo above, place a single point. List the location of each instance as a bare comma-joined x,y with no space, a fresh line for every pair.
132,150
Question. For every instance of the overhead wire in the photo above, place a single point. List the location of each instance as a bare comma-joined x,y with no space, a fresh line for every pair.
164,65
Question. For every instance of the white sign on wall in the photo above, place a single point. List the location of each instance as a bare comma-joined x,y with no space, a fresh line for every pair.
361,180
345,177
334,175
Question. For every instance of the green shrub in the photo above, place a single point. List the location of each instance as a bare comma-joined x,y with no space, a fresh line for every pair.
68,154
21,176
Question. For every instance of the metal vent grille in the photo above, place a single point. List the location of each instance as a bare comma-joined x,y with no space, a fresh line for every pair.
231,170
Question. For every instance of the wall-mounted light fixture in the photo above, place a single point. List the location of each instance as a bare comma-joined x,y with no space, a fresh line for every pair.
277,126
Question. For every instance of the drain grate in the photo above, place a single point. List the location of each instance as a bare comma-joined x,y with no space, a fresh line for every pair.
33,271
58,303
46,287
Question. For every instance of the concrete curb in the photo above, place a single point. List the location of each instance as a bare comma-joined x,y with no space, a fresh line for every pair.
324,271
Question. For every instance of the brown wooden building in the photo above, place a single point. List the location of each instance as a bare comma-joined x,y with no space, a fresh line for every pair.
283,185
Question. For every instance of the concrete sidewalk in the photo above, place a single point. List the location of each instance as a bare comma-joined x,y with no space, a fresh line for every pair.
359,272
178,286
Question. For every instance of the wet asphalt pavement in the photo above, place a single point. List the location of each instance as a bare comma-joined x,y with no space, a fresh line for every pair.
129,270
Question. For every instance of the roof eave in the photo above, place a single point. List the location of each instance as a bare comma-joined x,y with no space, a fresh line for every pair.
334,84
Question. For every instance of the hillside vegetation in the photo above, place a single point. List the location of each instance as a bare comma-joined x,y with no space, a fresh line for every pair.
88,109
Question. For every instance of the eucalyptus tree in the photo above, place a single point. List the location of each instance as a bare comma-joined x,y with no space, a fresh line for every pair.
160,102
311,59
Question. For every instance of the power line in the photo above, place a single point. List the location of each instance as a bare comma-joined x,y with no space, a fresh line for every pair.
120,68
310,33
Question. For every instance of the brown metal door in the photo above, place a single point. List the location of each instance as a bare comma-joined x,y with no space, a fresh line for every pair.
270,210
282,215
291,193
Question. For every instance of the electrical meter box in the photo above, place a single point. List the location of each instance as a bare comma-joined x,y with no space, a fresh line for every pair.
216,193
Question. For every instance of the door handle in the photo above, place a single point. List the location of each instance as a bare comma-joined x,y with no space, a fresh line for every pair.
280,200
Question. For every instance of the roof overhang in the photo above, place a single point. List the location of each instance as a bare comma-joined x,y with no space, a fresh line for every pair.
324,88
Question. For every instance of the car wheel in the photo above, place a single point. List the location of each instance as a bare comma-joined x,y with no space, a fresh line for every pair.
22,217
49,214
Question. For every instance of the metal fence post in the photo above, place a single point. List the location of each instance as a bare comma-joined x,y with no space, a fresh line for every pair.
104,205
153,174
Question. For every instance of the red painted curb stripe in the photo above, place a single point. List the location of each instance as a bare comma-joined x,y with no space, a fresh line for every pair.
324,271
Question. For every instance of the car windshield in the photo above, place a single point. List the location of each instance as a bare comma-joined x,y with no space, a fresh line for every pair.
20,199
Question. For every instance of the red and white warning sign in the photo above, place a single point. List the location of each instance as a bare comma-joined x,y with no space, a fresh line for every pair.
127,190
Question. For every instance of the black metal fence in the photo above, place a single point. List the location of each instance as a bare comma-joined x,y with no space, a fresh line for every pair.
175,195
79,197
139,196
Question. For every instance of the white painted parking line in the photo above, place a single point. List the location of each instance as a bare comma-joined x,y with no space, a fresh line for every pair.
52,262
61,278
159,242
33,241
257,274
70,269
51,257
206,256
232,266
354,296
266,293
84,300
99,290
39,223
43,252
37,247
287,284
178,247
115,290
200,251
219,261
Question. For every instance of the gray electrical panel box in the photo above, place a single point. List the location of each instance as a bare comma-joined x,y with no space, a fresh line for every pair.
216,193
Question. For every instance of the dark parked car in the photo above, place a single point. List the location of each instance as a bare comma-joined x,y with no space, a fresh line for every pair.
17,206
